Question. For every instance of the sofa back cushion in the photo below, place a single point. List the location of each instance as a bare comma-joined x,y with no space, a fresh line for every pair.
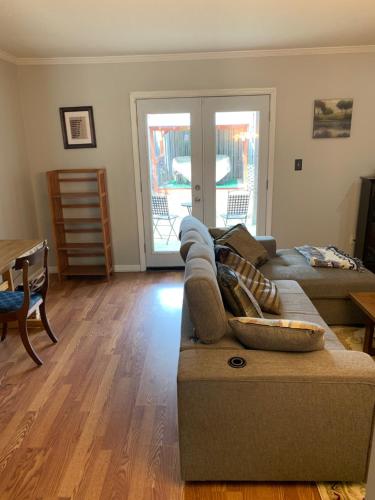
192,231
202,251
205,304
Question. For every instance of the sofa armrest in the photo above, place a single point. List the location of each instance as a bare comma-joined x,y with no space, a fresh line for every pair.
282,417
269,244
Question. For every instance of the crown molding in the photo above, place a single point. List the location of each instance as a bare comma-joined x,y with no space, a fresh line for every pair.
196,56
187,56
5,56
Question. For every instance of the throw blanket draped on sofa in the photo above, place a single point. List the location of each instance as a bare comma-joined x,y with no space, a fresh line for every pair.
329,256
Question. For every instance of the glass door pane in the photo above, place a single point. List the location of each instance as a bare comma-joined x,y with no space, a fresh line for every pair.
236,168
169,146
236,131
170,153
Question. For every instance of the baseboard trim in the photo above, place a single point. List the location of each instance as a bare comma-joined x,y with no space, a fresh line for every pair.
127,268
120,268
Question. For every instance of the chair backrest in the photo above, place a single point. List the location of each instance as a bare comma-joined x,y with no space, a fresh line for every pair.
39,260
160,205
238,203
33,258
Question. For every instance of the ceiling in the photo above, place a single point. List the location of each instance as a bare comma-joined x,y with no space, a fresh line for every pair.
53,28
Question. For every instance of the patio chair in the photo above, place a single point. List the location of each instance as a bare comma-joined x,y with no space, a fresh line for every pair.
237,207
160,213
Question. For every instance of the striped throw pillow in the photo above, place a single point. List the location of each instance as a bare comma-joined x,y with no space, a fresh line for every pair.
236,296
264,290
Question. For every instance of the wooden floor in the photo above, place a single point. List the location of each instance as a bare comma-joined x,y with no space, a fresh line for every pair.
98,419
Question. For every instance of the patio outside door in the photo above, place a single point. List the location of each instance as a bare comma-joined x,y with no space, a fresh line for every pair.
202,156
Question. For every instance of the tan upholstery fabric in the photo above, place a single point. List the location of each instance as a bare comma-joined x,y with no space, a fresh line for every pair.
187,239
278,334
190,341
317,282
283,417
202,251
237,298
269,244
263,289
191,223
204,301
242,242
294,304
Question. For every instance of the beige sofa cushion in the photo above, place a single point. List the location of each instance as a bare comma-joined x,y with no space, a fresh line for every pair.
191,223
188,238
278,334
204,301
317,282
294,304
202,251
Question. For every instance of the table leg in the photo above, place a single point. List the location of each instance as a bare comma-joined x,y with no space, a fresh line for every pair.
369,333
8,278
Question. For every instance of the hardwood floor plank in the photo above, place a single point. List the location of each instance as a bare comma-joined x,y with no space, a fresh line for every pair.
78,462
47,419
99,419
21,425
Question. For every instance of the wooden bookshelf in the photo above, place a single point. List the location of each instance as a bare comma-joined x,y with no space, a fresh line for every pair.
81,222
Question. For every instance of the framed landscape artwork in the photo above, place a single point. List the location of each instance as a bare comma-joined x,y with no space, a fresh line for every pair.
332,118
78,127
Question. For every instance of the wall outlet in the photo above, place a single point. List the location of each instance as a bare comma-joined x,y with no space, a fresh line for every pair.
298,164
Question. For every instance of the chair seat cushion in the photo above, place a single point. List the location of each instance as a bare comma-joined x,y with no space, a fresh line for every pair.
12,301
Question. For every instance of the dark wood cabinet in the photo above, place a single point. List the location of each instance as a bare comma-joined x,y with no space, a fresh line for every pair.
365,236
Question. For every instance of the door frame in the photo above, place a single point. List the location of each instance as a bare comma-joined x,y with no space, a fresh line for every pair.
167,94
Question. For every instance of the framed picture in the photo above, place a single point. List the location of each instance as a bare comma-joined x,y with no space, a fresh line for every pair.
78,127
332,118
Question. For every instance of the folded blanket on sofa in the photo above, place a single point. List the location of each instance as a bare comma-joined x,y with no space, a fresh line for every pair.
329,256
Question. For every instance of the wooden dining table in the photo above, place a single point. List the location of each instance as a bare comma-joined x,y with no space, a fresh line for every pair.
10,250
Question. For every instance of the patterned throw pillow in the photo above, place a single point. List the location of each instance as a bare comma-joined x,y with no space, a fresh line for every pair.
278,334
263,289
243,243
237,298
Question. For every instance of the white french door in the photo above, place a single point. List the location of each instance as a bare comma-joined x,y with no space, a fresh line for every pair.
205,156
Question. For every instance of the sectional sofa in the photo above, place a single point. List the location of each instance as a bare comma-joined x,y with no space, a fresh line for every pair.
282,416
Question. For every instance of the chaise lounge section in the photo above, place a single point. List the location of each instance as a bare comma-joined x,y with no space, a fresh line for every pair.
328,289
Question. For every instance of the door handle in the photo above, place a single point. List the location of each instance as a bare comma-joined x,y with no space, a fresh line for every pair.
196,198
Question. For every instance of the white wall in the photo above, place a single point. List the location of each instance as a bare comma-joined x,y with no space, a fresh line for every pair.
17,215
317,205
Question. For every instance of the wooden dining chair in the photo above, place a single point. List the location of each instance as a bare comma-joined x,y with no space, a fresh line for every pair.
20,304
